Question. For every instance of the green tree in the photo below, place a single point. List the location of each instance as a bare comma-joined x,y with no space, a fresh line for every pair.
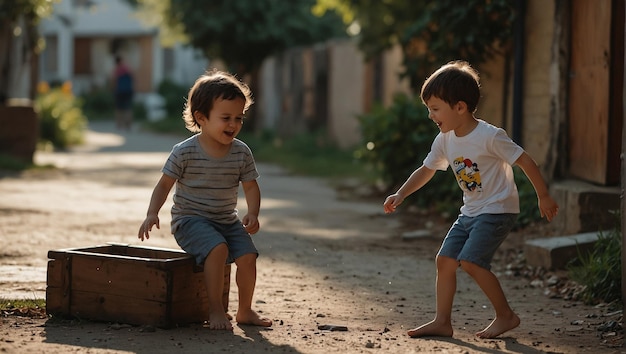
430,32
243,33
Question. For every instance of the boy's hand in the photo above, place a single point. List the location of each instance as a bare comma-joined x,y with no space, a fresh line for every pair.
146,227
548,207
251,223
391,202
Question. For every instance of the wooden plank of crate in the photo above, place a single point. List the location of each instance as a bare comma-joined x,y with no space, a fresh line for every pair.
119,309
187,284
119,277
188,312
58,286
190,285
143,252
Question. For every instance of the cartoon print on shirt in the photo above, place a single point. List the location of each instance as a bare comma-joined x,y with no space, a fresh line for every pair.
467,174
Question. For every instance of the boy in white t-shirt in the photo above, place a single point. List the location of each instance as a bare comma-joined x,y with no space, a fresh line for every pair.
481,156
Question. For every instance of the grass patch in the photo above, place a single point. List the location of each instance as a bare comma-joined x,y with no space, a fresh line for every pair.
7,304
600,270
33,308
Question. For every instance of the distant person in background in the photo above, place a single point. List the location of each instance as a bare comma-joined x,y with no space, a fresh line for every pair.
123,91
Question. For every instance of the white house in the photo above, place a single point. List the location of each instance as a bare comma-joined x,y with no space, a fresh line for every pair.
82,38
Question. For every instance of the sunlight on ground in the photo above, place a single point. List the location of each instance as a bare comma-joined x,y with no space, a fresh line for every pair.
350,302
22,282
100,140
269,203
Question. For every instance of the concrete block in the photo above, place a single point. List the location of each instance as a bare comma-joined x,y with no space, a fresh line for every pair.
556,252
584,207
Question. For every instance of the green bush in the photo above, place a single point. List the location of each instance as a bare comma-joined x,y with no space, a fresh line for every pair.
98,104
396,141
61,119
600,271
528,203
140,112
174,95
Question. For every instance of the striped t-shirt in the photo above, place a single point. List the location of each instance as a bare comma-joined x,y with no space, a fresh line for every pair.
208,186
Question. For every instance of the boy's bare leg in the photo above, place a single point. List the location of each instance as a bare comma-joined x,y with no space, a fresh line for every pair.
214,278
445,287
246,281
505,319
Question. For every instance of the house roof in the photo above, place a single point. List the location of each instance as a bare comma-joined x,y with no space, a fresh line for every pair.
96,18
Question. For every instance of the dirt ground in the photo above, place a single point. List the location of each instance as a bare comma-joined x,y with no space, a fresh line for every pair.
327,258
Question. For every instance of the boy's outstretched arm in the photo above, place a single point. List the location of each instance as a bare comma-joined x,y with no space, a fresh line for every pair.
159,195
417,180
253,199
547,206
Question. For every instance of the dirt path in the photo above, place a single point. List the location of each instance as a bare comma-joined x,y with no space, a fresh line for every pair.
323,261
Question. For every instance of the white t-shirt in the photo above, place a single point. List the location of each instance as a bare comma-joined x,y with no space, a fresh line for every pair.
482,164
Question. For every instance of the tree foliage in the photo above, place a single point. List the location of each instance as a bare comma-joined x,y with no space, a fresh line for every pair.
19,18
430,32
243,33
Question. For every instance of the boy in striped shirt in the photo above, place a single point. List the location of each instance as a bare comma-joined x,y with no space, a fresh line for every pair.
207,169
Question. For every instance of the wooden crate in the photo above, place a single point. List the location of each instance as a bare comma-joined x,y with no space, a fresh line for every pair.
128,284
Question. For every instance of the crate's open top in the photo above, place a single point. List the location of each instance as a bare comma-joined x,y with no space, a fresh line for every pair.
126,252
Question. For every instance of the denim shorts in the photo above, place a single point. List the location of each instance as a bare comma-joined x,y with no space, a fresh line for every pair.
198,235
476,239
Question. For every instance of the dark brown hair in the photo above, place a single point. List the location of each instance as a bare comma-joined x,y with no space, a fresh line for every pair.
453,82
209,87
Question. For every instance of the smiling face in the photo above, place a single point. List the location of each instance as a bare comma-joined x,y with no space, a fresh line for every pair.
445,116
451,117
224,122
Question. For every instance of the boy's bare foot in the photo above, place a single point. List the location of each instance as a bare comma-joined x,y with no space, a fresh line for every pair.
432,328
250,317
498,326
220,321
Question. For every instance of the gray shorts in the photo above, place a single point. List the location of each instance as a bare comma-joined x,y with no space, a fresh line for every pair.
197,236
476,239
